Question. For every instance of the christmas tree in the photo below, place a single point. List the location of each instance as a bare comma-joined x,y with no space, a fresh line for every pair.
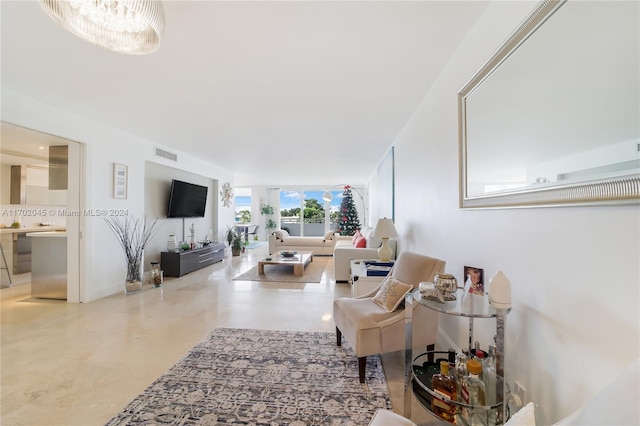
348,221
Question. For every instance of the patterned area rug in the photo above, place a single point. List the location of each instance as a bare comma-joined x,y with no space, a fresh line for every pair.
284,273
258,377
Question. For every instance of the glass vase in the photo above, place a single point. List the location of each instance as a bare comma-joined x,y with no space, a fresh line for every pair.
133,283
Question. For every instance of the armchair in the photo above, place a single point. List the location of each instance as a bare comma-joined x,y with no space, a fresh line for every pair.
370,329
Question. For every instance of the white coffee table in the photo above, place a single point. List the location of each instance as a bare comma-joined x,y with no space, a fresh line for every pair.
299,261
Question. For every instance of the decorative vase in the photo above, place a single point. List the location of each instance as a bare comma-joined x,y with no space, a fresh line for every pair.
172,244
133,283
235,251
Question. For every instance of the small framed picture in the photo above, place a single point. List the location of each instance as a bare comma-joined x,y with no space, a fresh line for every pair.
474,280
119,181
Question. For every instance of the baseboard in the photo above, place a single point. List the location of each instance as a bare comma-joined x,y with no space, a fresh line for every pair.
444,342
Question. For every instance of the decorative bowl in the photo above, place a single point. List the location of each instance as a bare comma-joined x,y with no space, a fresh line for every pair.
446,283
288,253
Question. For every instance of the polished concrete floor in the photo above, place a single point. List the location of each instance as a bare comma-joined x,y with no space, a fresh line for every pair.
80,364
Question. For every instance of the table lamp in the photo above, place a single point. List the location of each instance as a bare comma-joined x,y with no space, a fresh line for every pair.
385,229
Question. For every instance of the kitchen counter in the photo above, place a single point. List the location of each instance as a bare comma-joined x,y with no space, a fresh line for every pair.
32,229
16,244
49,264
47,234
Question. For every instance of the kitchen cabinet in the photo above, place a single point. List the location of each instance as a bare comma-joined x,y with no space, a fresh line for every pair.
49,265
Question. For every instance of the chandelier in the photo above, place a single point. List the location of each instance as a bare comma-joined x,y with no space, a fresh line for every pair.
134,27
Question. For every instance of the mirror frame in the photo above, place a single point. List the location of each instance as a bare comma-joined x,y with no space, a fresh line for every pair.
617,190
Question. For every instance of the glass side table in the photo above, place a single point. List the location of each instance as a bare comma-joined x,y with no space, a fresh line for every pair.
416,375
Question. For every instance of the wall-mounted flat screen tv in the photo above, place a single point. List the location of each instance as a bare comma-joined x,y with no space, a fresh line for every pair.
187,199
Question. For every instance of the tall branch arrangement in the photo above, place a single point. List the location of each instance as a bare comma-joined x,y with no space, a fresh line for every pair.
133,235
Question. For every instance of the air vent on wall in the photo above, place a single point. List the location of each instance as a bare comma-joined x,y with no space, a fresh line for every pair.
166,154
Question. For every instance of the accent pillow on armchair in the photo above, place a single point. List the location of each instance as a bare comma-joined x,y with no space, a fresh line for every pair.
391,293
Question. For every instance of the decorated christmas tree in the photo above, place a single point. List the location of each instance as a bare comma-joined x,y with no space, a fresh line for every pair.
348,221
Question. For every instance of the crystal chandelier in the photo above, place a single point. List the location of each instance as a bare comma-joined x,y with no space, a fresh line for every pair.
134,27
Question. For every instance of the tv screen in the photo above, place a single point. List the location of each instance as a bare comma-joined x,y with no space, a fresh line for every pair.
187,199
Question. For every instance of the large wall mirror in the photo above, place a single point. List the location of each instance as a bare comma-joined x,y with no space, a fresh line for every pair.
553,117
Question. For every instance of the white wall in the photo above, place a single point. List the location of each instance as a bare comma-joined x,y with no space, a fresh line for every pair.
157,188
574,270
104,270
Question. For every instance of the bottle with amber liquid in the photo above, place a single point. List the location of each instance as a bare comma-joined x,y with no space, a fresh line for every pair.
444,386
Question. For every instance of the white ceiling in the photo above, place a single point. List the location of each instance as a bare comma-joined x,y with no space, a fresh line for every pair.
280,93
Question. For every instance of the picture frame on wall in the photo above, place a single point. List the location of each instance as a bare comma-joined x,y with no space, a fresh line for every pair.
120,179
474,280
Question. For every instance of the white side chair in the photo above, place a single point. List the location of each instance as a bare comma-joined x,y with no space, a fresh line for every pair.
370,329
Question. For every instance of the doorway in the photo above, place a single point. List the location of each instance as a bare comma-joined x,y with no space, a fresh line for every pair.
41,186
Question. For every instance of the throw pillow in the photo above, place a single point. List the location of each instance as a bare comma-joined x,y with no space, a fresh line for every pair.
285,233
278,235
328,236
360,242
391,294
355,237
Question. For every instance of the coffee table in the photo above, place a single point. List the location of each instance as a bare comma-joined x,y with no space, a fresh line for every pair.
299,261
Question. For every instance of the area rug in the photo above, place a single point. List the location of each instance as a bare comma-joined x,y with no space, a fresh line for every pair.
284,273
255,245
258,377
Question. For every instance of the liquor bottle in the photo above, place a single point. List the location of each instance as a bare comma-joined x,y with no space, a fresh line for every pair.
477,352
460,373
473,394
451,357
489,377
445,387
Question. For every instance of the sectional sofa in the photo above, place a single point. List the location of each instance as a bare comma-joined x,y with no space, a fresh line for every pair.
343,248
281,240
346,250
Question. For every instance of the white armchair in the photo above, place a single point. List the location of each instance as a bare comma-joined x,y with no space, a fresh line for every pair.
370,329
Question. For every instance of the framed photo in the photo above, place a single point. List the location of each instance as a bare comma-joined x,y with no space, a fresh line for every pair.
119,181
474,280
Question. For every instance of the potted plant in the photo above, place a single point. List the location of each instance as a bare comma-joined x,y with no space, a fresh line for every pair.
266,210
270,224
133,235
229,235
236,244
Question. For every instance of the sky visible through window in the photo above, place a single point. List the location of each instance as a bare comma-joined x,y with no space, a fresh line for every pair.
291,199
243,202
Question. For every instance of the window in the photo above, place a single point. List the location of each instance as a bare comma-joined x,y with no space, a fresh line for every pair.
243,205
310,203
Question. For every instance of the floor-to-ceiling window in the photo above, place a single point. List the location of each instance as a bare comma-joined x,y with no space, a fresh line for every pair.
303,212
310,212
242,203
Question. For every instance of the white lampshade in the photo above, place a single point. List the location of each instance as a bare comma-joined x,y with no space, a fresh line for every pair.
327,196
385,229
134,27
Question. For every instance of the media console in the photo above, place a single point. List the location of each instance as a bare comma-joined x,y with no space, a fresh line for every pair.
176,264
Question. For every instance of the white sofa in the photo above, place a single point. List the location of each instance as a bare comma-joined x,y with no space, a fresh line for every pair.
344,251
281,240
